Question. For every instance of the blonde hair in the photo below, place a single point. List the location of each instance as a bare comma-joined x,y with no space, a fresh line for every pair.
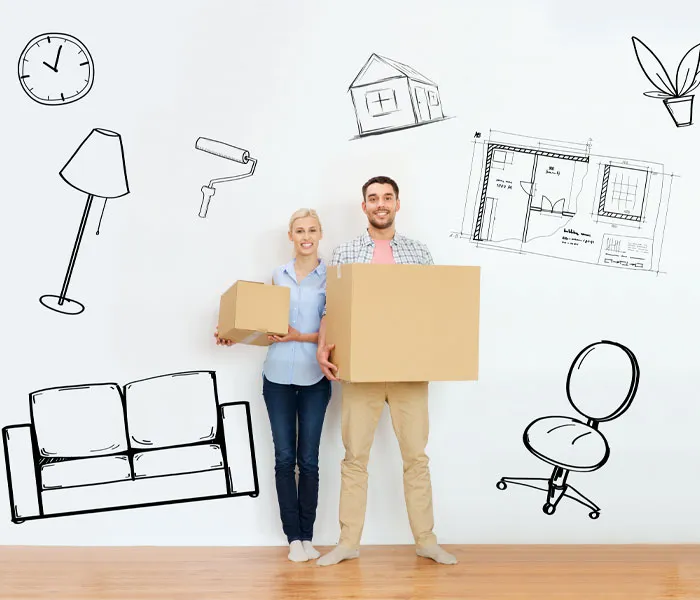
304,212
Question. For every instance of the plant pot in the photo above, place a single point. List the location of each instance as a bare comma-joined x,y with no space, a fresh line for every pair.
681,110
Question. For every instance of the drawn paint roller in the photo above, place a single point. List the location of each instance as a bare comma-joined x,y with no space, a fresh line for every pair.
229,152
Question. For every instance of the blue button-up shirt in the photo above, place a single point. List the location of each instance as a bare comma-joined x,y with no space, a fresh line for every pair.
295,362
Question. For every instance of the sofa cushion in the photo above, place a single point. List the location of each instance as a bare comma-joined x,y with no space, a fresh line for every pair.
85,471
79,421
176,461
171,410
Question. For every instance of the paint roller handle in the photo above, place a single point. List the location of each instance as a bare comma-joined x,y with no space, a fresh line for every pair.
207,193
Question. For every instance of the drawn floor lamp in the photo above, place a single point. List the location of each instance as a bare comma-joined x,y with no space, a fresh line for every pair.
225,151
601,384
96,168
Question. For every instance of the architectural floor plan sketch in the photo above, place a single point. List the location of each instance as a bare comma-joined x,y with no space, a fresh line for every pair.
102,446
558,199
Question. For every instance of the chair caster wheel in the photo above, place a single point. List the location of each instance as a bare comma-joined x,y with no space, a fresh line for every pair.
501,485
549,509
594,514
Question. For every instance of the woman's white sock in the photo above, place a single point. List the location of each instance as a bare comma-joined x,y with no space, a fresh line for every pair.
311,552
297,552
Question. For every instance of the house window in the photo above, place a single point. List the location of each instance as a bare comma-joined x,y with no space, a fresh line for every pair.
433,98
381,102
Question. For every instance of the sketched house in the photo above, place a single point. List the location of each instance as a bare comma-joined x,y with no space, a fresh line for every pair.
98,447
388,95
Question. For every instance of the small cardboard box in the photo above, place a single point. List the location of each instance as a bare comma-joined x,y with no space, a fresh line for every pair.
250,310
403,322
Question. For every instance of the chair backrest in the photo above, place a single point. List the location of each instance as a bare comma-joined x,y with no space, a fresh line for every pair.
603,380
175,409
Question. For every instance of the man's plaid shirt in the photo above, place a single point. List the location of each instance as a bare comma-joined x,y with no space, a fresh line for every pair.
361,250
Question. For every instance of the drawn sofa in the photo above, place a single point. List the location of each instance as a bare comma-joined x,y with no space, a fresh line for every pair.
100,447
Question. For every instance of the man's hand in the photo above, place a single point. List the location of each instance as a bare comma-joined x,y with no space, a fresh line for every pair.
221,341
322,356
293,335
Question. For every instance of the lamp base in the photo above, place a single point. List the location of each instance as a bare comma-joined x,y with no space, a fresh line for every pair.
67,307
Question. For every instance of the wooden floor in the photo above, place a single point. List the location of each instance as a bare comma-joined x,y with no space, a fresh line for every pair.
484,572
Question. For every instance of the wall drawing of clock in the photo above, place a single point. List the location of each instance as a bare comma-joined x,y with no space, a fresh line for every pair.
56,69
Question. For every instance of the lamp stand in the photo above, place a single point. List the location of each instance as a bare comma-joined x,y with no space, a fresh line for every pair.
60,303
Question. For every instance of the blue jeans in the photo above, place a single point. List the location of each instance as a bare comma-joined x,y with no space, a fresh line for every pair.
286,403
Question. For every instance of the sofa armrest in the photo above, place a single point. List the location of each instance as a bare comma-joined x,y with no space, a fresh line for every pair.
25,499
239,448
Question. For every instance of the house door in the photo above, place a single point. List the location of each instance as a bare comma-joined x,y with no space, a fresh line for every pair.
422,102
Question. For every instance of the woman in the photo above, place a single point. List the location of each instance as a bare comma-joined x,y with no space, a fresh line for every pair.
294,386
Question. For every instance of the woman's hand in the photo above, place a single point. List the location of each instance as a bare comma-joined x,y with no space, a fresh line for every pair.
293,335
221,341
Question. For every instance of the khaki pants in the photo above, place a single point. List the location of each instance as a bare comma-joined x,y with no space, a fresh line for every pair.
362,405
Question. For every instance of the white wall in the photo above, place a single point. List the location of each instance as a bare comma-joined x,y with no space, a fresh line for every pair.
272,77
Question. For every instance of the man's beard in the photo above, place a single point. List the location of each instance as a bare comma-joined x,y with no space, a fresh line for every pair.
378,225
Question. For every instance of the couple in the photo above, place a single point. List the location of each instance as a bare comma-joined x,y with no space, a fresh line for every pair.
297,377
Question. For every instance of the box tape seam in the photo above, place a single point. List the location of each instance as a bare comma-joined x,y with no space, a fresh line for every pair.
252,337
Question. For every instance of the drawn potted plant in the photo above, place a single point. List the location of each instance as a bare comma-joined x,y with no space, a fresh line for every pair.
675,93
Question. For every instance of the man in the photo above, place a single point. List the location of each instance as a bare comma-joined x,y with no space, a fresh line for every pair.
362,403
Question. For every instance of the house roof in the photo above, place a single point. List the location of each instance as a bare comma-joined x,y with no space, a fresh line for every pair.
375,61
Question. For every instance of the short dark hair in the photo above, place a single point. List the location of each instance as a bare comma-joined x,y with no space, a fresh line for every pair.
381,179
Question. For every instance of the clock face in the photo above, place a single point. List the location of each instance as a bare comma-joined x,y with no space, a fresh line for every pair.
56,69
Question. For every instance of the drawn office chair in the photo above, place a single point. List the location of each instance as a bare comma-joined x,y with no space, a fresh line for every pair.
601,384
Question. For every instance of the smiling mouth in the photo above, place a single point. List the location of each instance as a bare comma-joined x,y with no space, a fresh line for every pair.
307,245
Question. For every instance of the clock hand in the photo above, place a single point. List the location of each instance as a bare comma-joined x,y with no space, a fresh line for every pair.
50,67
57,57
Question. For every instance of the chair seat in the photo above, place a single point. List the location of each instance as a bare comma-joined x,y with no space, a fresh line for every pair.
177,461
85,471
567,443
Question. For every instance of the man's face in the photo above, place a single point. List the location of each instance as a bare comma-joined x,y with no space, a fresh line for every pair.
380,205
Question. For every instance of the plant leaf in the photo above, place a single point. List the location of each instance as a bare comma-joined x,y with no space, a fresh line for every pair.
658,95
652,67
692,87
688,70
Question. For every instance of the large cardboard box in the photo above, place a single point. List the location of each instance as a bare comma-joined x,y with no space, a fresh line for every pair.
250,310
403,322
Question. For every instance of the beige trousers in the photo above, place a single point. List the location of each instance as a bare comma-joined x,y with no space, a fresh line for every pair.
362,405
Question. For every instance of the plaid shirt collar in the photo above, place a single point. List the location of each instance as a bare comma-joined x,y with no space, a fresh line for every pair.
366,240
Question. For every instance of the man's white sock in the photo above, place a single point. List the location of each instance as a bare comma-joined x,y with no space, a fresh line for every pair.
336,555
297,552
437,554
311,552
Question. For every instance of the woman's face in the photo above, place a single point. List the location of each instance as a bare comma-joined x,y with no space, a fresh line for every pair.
305,235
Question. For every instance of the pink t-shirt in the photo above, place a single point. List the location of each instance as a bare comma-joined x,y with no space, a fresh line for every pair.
383,253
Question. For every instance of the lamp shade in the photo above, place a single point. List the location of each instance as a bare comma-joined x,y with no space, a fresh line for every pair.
97,167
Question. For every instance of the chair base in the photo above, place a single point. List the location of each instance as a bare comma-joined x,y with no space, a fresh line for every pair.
556,488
